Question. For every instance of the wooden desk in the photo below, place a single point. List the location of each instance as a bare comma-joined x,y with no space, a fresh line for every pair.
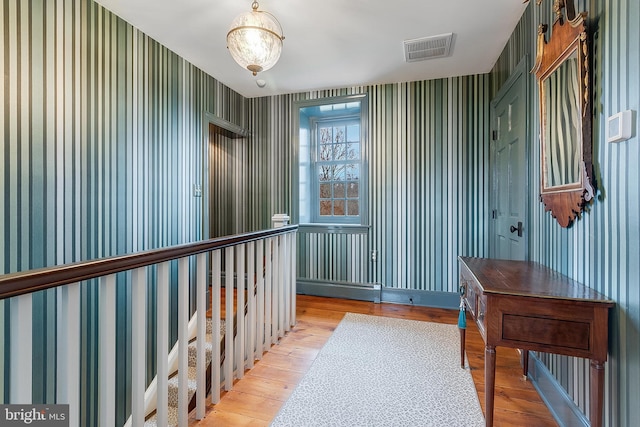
525,305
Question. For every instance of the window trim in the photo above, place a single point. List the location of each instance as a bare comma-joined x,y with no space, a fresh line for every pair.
345,120
300,108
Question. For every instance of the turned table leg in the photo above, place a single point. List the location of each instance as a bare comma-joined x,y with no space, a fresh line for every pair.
462,346
489,382
596,393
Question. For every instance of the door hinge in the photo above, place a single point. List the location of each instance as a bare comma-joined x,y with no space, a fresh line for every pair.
494,135
494,214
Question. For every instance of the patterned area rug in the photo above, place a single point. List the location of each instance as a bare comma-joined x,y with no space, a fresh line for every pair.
379,371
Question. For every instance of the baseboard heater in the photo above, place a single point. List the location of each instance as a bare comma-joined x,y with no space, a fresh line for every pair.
560,404
377,293
347,290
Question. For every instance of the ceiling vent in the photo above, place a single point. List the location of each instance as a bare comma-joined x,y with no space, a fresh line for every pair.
428,47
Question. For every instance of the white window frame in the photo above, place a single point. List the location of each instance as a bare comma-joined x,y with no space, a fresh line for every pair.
306,197
337,121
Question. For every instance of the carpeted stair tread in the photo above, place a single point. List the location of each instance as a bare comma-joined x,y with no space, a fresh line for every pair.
173,386
191,374
172,418
193,351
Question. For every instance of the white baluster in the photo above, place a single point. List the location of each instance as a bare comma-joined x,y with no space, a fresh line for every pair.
276,285
68,350
138,344
260,322
215,313
251,304
283,294
285,262
240,280
162,346
107,352
293,259
201,310
267,295
228,335
183,341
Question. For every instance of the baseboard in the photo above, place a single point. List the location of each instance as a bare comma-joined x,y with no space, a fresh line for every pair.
347,290
376,293
562,407
434,299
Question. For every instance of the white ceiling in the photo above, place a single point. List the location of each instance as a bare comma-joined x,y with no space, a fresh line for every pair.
330,43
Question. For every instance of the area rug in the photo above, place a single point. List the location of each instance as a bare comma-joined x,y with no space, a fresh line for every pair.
380,371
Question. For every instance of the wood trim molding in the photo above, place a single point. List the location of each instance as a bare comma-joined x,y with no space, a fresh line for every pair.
21,283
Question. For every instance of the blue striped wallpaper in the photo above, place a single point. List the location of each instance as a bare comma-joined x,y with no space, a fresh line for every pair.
103,131
602,249
428,184
103,141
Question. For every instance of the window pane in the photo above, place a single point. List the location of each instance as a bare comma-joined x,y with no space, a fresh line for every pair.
325,135
353,133
339,172
338,134
353,151
324,173
353,207
325,191
338,191
353,190
325,207
352,171
324,152
340,152
338,208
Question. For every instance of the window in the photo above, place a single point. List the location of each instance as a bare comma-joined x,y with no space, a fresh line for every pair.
331,159
337,166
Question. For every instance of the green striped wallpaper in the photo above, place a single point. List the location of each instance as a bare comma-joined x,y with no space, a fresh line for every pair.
103,141
103,131
428,183
602,249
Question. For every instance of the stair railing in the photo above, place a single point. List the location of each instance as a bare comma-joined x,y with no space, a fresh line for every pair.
264,259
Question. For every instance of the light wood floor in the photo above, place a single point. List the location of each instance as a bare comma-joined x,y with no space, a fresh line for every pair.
256,398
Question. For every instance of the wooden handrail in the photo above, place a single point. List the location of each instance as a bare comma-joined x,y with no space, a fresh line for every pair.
21,283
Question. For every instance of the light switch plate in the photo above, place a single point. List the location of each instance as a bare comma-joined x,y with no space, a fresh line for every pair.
619,126
197,190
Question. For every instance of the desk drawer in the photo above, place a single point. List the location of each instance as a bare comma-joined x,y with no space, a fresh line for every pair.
475,301
470,290
471,298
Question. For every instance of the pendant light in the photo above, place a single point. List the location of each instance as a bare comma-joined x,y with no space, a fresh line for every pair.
255,40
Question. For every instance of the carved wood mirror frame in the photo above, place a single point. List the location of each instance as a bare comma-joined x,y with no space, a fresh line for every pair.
565,197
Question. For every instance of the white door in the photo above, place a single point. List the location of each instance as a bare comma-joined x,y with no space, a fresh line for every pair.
509,169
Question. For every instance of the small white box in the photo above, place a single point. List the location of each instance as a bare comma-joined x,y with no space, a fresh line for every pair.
619,126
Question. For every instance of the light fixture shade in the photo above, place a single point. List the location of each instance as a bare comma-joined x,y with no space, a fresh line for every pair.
255,40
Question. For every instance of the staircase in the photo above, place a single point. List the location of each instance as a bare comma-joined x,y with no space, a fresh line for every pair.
191,384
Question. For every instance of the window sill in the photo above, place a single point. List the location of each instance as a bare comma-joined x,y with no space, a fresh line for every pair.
334,228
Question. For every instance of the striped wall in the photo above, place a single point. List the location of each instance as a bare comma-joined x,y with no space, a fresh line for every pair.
103,141
602,249
428,183
341,255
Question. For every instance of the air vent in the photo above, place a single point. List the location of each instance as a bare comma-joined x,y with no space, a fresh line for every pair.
428,47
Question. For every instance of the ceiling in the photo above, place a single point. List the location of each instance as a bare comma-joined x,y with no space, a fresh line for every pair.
330,43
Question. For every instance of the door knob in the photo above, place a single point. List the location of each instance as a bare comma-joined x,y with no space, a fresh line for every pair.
519,228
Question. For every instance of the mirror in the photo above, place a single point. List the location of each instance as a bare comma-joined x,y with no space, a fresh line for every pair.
562,137
562,71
